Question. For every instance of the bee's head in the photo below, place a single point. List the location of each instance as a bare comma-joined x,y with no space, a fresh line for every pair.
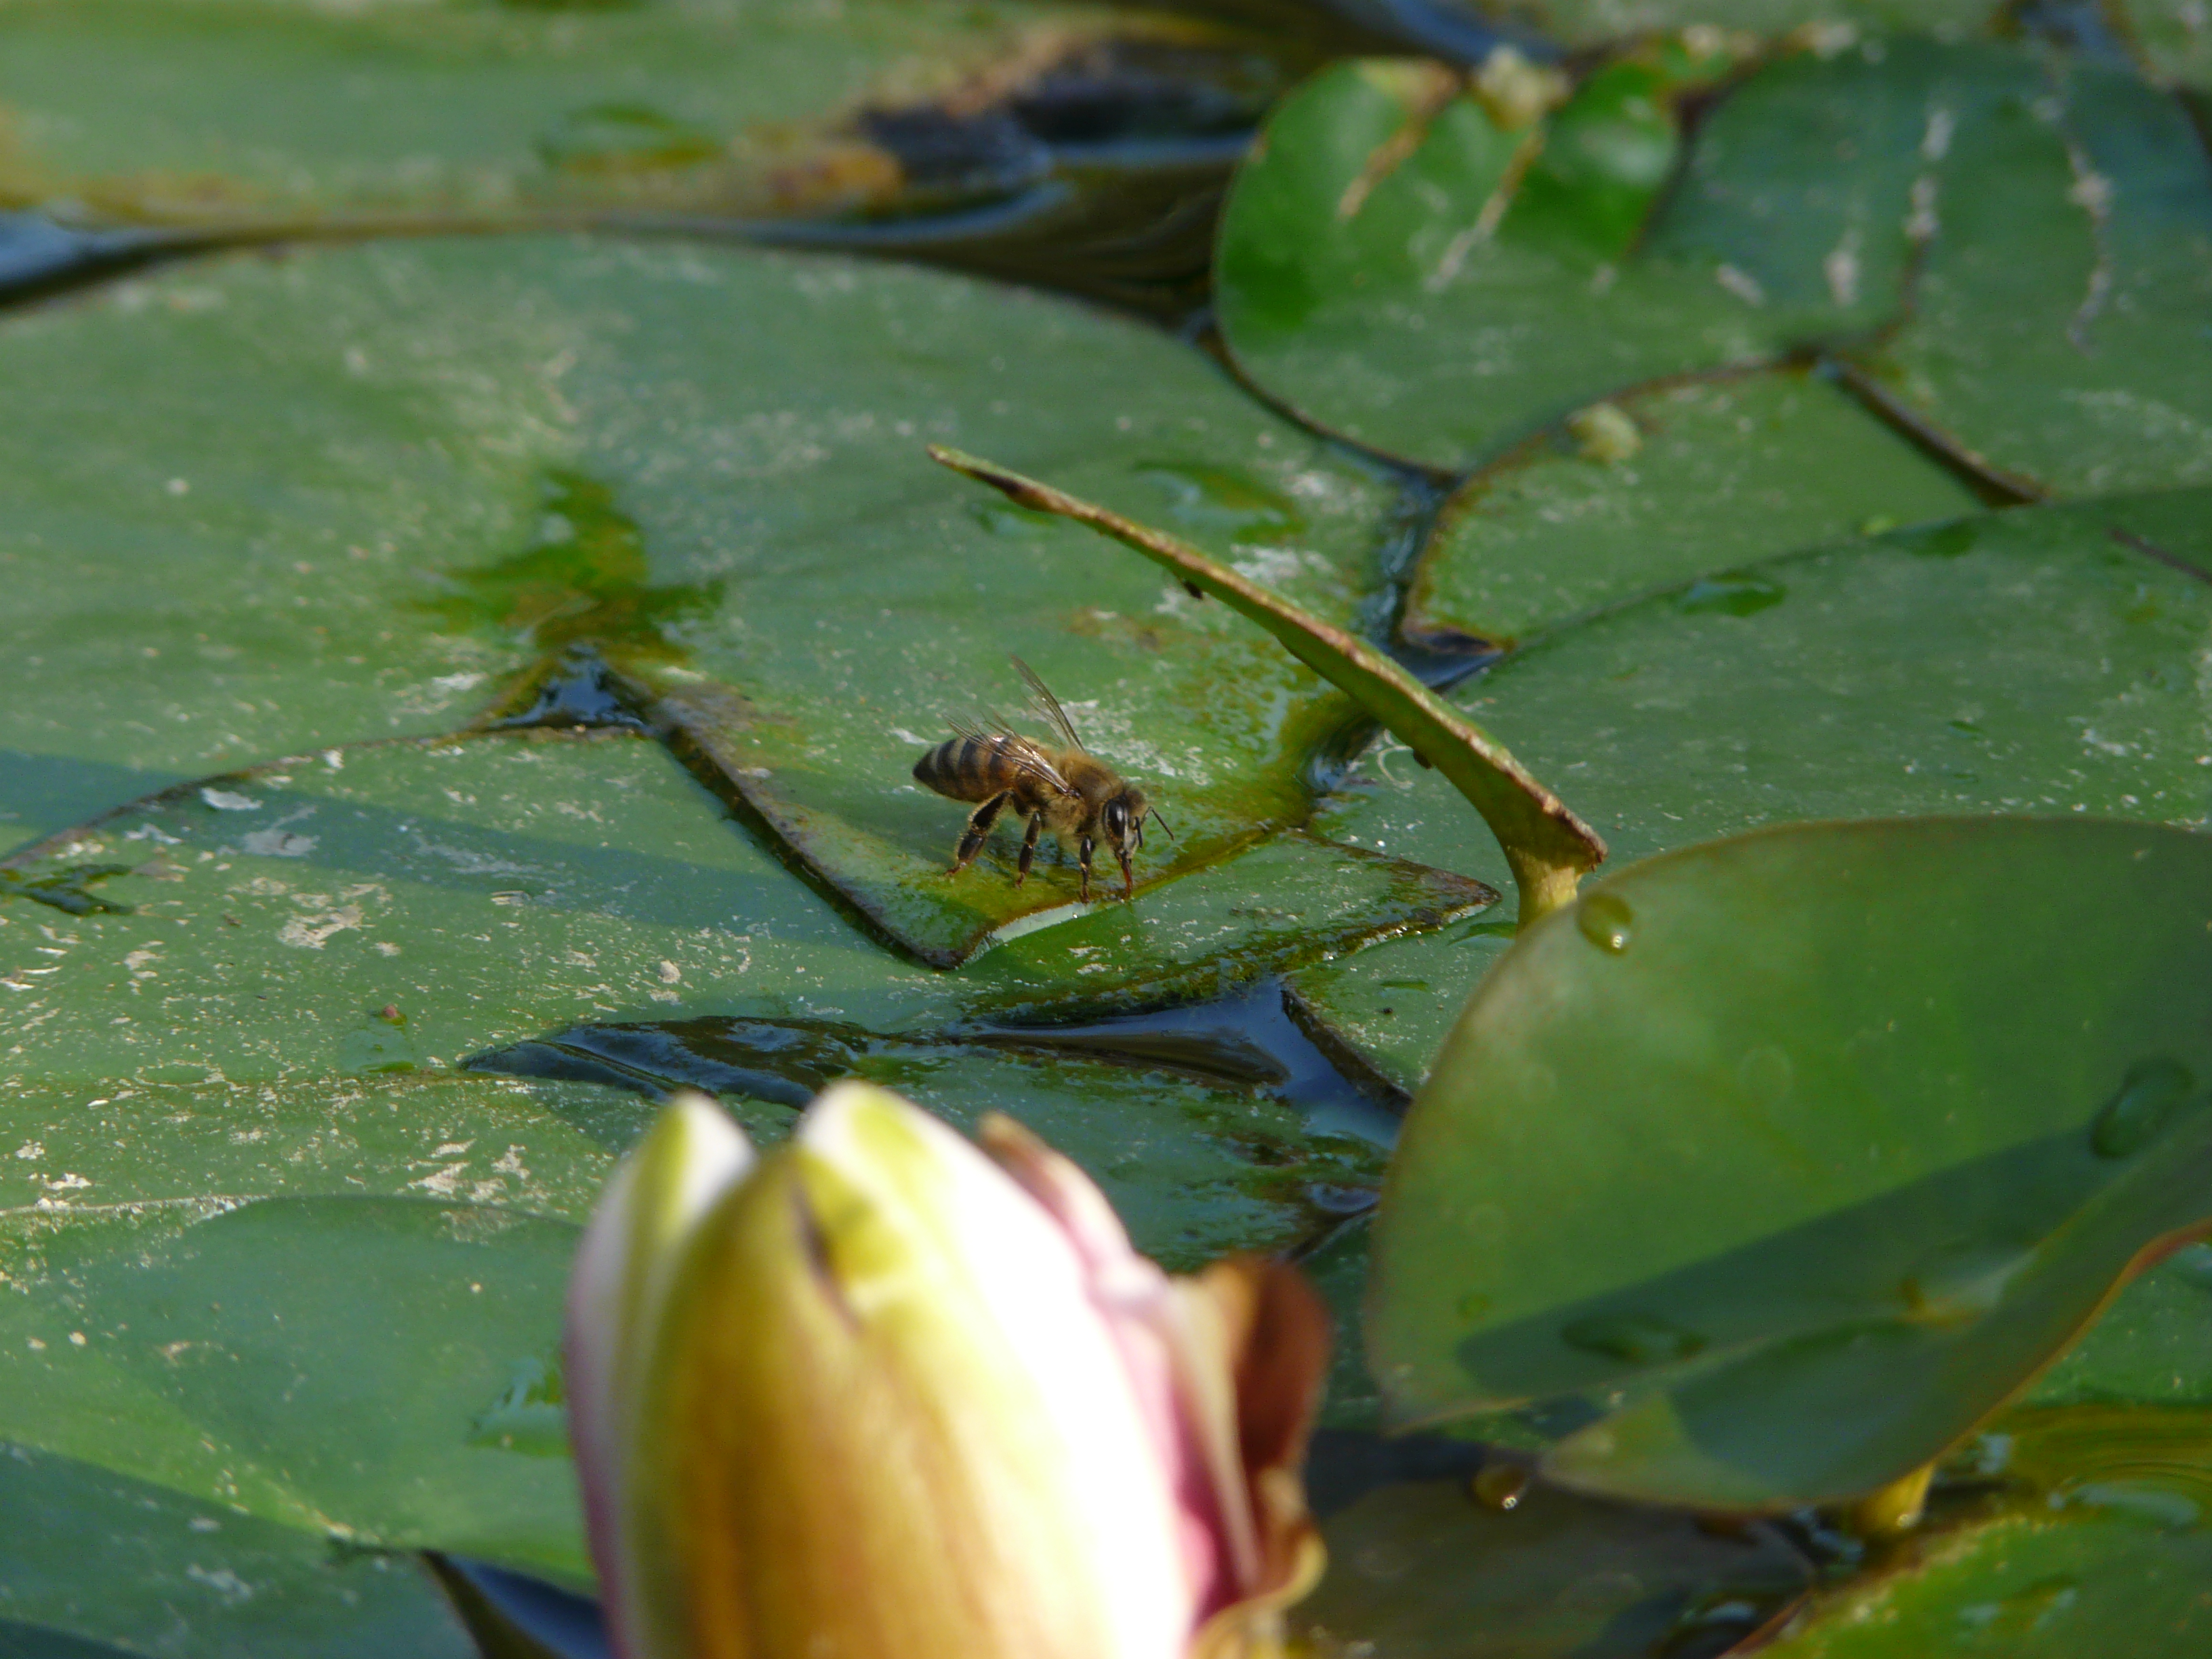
1122,818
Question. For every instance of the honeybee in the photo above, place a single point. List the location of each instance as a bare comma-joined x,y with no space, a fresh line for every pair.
1069,791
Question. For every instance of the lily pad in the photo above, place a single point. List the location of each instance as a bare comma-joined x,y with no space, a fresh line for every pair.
482,890
529,452
2054,334
2023,661
154,1341
1427,1569
418,903
2153,1346
1407,273
2104,1552
91,1559
1411,273
262,109
1601,22
1711,475
1857,1140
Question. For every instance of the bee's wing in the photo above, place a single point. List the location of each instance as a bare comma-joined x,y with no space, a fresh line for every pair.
1021,753
1049,704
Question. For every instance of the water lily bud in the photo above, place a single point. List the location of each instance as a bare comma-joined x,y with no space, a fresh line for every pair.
895,1400
692,1156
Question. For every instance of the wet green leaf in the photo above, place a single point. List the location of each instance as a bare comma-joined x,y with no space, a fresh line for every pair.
2054,334
1404,272
1426,1570
2153,1346
90,1558
483,890
1596,22
312,947
2101,1548
1720,474
257,108
1800,1129
155,1340
515,448
490,890
2025,661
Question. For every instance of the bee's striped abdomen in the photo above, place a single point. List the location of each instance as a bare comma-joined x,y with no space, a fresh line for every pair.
964,767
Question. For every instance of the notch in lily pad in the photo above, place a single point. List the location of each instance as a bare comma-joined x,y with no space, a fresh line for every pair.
68,889
1548,848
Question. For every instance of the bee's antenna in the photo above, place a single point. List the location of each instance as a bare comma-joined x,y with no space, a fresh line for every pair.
1153,812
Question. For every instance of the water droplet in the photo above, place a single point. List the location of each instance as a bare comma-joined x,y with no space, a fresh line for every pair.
1639,1339
1731,594
2147,1097
1606,921
1499,1486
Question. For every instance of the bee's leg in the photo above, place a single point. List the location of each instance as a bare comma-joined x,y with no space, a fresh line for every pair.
1083,857
979,826
1128,876
1029,848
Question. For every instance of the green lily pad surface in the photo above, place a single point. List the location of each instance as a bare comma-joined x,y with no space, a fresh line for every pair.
1407,272
92,1563
2152,1346
153,1340
1892,1139
183,112
396,908
2051,335
1599,22
751,535
1711,474
1427,1569
2021,662
2100,1547
259,1011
